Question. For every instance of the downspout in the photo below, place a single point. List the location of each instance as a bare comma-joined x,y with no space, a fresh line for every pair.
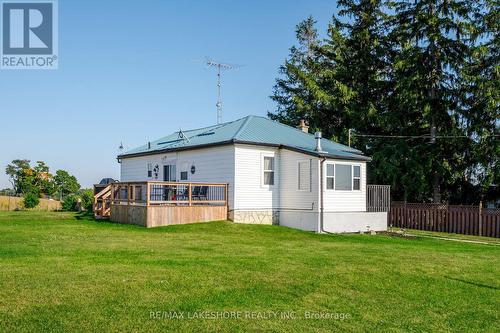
321,196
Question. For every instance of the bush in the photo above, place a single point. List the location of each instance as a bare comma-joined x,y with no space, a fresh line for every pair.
69,202
87,197
31,200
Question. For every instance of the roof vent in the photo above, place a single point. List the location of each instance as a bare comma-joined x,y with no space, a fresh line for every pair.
317,136
303,127
206,134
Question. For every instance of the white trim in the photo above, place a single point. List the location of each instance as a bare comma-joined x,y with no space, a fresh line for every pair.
298,175
353,177
335,176
262,155
326,176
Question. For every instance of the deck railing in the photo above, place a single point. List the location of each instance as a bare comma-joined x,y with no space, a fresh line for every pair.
378,198
169,193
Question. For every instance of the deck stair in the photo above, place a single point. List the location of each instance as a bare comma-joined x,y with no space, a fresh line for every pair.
102,201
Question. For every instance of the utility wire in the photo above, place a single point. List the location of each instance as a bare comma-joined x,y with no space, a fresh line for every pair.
418,136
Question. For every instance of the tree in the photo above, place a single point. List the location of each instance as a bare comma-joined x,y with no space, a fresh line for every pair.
403,68
43,179
481,100
66,183
87,196
31,200
433,39
18,172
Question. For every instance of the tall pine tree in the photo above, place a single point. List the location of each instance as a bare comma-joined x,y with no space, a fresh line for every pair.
428,70
481,100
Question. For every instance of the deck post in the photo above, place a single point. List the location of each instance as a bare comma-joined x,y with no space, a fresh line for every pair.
128,194
111,192
147,194
190,191
227,199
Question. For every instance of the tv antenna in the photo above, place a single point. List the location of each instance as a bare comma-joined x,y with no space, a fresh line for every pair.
220,67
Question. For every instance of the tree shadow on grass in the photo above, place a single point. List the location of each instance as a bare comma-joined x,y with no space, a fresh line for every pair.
85,216
473,283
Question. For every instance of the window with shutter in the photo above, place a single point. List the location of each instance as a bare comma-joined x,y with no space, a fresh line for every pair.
304,176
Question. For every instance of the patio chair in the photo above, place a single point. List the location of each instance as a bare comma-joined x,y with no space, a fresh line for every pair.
195,194
203,192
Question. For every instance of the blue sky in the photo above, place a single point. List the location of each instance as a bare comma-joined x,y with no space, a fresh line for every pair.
133,71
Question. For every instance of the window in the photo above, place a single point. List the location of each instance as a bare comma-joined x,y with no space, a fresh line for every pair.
150,170
343,177
330,176
169,173
268,170
184,175
356,179
304,175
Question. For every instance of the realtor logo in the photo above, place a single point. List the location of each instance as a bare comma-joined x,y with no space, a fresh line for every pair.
29,34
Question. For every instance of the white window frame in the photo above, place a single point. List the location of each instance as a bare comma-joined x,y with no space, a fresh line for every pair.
352,177
310,175
262,170
326,176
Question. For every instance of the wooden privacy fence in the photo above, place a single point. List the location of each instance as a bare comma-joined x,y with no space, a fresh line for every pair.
16,203
467,220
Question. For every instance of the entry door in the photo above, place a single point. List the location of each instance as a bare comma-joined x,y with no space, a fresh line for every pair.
169,173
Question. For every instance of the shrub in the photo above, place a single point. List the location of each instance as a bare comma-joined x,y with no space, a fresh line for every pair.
69,202
31,200
87,197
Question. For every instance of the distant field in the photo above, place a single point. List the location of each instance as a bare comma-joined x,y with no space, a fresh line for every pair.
63,272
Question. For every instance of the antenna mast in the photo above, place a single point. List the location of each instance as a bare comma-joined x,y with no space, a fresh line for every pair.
220,67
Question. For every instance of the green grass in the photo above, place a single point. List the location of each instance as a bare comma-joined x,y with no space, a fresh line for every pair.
416,232
61,272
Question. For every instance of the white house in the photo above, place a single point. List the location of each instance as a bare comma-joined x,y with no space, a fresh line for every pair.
277,174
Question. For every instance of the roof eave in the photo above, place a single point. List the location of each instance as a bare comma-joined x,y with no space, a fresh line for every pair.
235,141
328,155
169,150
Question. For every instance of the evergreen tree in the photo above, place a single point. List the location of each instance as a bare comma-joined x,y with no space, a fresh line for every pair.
333,84
481,99
433,40
428,70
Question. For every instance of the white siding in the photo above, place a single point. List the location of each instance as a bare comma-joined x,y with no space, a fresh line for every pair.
241,166
214,164
298,208
250,192
345,201
291,197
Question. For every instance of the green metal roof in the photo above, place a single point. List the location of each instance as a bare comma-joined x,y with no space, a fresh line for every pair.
251,130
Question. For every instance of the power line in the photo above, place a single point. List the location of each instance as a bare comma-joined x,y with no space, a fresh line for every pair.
418,136
432,137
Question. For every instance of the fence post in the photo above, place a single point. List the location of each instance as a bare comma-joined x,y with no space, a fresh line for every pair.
480,218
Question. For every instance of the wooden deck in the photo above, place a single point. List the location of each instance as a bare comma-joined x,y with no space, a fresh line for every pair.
153,204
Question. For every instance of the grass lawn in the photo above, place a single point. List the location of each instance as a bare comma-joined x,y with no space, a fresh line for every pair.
414,232
61,272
